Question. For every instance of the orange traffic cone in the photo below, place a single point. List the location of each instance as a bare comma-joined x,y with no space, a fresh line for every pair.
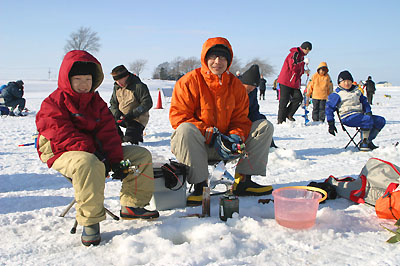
159,103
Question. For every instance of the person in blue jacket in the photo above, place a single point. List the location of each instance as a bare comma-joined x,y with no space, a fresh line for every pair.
12,95
249,79
354,111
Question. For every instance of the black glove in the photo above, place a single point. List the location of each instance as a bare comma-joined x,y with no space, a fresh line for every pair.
329,189
120,170
103,159
121,121
332,129
368,113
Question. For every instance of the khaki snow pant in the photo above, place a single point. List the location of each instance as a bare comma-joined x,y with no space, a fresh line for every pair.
188,145
88,179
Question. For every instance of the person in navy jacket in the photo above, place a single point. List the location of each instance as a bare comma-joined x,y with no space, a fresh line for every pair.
354,111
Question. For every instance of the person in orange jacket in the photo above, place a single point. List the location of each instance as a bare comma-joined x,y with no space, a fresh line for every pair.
209,112
319,88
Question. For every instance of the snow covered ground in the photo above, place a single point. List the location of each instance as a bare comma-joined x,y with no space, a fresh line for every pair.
32,197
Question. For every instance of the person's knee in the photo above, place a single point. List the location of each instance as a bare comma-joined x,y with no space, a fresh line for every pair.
87,162
185,131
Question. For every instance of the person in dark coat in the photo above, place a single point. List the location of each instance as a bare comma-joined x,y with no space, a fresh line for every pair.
263,87
12,95
370,88
290,80
130,104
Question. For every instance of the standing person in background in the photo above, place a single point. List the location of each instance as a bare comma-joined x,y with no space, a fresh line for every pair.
130,104
209,113
263,87
319,88
12,95
238,74
275,87
290,80
370,88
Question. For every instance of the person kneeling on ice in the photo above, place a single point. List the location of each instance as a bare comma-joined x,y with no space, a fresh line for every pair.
354,111
209,110
78,138
13,97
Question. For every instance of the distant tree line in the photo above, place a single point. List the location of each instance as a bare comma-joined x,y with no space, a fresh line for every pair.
179,66
86,39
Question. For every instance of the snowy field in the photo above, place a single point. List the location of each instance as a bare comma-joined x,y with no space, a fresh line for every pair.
32,197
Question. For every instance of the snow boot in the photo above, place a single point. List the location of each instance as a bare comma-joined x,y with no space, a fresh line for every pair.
91,235
130,213
364,146
196,197
247,187
372,146
290,118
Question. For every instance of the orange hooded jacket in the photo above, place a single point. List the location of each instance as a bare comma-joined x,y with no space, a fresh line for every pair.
320,86
201,98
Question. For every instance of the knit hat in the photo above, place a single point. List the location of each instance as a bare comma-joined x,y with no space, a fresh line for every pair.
82,68
344,75
119,72
20,83
220,50
251,76
306,46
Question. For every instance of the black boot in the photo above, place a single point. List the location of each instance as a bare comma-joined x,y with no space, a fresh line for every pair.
196,197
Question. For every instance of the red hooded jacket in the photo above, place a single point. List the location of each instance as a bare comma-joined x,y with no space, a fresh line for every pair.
71,121
292,69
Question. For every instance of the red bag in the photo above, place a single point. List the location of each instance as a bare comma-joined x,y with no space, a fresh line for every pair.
388,206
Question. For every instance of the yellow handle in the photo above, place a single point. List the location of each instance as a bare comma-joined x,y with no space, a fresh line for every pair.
316,189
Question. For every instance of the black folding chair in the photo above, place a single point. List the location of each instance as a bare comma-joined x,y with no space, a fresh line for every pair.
358,131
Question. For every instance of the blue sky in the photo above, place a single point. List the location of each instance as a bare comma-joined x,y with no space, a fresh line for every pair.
360,36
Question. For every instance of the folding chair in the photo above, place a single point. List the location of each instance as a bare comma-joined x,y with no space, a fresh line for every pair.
358,130
73,229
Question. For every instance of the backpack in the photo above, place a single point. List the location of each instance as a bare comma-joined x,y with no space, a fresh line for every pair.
373,181
3,108
388,206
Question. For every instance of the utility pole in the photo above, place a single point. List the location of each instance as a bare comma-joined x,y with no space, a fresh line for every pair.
49,73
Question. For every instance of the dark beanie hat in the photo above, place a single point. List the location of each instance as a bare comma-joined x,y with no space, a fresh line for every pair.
306,46
119,72
251,76
20,83
344,75
82,68
220,50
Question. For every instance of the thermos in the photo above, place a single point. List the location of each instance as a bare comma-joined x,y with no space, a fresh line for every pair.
228,204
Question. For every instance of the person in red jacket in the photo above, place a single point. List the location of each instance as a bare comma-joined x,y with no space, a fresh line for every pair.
209,112
290,80
78,138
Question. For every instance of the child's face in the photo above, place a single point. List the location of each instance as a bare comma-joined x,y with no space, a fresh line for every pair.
81,83
322,71
122,82
346,84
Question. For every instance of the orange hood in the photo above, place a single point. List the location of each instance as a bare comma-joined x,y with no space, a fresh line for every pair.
211,43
